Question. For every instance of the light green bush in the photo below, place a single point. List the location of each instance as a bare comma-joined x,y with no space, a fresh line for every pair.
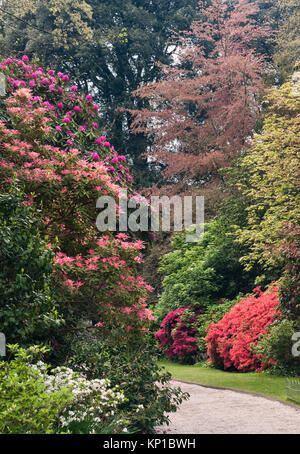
25,405
276,349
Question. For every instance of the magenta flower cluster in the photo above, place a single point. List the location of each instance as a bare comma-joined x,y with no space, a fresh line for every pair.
177,335
75,117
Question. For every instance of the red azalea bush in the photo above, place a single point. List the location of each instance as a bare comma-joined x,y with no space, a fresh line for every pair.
229,341
177,334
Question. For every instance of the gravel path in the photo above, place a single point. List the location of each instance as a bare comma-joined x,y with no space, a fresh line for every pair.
218,411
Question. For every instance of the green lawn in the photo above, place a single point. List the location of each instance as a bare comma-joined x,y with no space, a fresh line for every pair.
259,383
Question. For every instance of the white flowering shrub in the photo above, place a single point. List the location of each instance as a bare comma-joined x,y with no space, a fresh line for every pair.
94,401
94,404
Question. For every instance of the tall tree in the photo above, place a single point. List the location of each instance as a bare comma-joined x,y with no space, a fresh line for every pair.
283,16
205,107
269,175
287,52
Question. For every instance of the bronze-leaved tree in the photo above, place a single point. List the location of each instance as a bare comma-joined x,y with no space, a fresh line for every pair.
206,106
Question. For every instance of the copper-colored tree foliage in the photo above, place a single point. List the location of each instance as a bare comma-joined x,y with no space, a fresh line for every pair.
204,109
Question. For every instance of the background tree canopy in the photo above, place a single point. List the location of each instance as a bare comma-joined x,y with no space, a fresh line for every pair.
108,47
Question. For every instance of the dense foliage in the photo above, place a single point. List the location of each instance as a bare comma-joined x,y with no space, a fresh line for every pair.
63,401
22,389
254,239
93,275
189,81
206,106
203,272
49,174
27,308
289,252
213,314
74,117
149,396
269,178
287,51
275,348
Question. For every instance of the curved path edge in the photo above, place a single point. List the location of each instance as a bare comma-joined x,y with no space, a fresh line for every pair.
219,410
290,404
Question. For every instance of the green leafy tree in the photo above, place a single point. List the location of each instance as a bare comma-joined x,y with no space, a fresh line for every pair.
283,49
287,51
269,178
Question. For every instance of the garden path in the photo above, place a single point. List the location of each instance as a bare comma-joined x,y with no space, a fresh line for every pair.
222,411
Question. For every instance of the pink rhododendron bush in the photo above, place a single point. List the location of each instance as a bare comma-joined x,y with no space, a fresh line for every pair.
95,275
177,336
230,341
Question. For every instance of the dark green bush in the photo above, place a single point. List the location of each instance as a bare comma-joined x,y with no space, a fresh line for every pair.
27,311
135,370
213,314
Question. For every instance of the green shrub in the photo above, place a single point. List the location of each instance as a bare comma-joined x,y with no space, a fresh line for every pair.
276,349
147,388
202,273
85,352
27,311
134,369
289,293
25,405
213,314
